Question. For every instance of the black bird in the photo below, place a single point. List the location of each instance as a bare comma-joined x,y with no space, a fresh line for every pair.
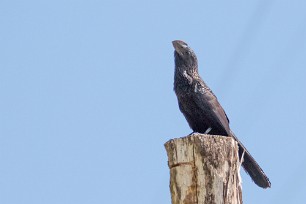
202,110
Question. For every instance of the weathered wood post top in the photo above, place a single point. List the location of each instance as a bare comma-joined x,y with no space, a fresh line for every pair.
204,169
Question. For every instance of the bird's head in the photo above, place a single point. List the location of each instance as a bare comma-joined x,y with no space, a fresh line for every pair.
184,56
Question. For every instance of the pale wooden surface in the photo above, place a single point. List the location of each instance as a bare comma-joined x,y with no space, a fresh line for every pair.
204,169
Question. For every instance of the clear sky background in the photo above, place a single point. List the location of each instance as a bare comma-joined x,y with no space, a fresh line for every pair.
87,101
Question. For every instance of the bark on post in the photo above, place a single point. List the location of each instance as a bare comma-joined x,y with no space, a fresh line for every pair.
204,169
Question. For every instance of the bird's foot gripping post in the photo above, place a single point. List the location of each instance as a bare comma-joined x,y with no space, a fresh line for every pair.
204,169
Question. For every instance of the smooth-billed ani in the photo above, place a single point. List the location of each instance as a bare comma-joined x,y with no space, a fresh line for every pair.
202,109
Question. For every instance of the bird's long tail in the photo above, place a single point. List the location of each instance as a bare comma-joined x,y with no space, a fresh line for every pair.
251,166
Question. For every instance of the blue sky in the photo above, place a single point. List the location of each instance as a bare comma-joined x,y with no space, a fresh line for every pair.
87,101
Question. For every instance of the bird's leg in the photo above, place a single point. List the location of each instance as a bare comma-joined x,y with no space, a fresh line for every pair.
192,133
208,130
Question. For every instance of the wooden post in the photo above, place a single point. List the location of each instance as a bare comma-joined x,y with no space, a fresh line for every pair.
204,169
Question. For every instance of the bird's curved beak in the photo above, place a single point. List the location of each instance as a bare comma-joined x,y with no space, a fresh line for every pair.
179,46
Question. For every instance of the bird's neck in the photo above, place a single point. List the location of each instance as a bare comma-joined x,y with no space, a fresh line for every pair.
183,71
185,77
